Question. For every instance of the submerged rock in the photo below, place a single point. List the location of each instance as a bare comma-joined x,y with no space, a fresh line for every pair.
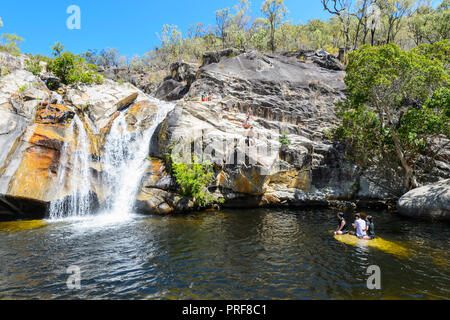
431,201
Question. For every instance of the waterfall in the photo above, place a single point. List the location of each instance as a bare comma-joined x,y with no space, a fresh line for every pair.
124,160
123,165
73,174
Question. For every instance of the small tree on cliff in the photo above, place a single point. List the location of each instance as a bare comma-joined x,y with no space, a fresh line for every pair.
71,68
193,179
397,105
11,43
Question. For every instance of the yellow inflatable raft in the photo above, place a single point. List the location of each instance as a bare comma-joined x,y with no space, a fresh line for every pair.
377,243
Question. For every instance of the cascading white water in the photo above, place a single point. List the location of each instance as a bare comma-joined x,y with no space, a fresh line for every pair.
73,174
124,158
123,164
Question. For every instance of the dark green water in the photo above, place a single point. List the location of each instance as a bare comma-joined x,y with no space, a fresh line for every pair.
256,254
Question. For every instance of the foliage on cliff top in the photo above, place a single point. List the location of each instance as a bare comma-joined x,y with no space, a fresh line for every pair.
396,106
71,68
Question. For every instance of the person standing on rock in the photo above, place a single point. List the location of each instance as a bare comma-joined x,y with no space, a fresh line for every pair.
342,224
204,96
360,226
249,113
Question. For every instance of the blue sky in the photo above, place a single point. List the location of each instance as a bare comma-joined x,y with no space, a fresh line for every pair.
130,26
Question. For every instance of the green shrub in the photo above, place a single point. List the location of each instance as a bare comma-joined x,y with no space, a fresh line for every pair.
72,68
22,89
284,139
4,71
32,65
194,179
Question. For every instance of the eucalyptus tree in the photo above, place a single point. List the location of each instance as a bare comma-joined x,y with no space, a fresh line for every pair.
223,22
341,9
397,104
394,13
275,12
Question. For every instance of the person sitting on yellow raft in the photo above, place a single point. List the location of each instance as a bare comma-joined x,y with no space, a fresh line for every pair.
368,238
342,224
365,229
370,229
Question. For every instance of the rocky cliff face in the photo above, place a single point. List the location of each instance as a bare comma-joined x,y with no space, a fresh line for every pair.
53,137
292,94
44,133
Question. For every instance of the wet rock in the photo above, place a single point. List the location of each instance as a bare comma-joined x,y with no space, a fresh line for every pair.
157,201
13,208
141,115
54,114
126,102
53,83
157,176
100,102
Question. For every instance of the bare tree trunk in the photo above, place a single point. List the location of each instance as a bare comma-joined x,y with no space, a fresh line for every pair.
410,181
359,24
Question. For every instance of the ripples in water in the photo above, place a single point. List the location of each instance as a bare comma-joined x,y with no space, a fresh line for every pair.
254,254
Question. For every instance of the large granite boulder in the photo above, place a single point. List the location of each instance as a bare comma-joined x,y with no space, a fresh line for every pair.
100,102
431,201
177,84
10,63
215,56
279,88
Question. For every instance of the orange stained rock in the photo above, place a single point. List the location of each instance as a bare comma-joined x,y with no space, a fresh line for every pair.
221,178
50,136
139,107
53,114
34,177
248,185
